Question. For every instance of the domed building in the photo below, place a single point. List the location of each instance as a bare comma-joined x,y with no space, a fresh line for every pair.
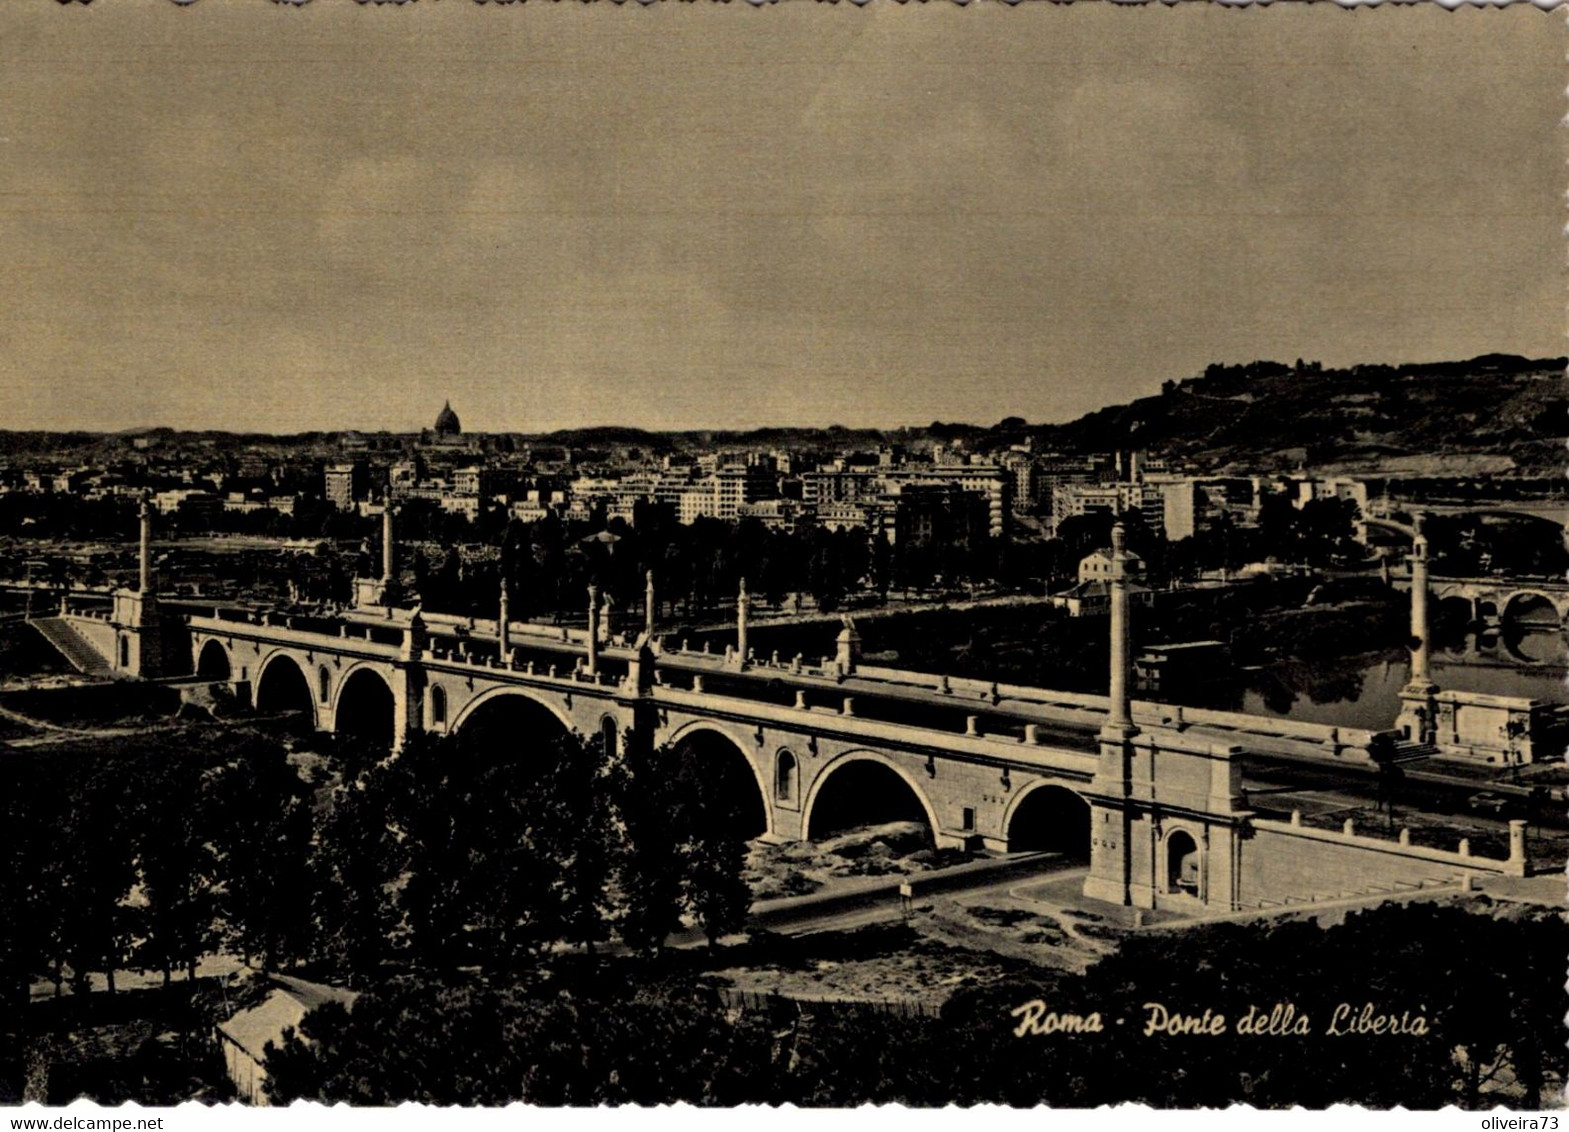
447,423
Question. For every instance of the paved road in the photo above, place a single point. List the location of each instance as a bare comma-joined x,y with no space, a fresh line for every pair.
836,912
763,620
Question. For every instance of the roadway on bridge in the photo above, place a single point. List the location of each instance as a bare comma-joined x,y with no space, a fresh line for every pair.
1417,806
1282,778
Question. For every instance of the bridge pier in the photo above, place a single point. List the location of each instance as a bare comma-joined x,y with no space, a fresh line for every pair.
1174,845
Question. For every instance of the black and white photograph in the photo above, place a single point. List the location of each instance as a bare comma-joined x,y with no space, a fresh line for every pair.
599,554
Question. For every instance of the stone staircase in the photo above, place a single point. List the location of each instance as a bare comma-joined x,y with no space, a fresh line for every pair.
1371,891
1410,751
73,646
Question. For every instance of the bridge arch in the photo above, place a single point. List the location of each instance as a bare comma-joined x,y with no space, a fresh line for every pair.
1521,602
467,711
1455,609
1048,816
281,686
701,742
1181,862
815,822
365,707
212,661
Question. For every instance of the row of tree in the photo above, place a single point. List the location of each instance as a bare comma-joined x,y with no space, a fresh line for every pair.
151,852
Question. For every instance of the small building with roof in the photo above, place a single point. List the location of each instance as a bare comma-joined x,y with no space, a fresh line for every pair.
243,1037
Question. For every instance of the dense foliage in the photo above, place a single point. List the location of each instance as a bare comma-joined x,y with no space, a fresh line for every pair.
1487,982
150,851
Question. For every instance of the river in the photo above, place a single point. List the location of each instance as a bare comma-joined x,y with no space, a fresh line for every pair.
1035,646
1365,691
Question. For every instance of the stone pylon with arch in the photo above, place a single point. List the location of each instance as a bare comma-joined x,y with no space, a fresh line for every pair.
1158,792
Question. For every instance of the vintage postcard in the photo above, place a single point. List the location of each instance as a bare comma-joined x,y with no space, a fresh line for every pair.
810,554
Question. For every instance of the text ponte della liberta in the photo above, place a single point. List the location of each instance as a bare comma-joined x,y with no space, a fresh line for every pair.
1283,1019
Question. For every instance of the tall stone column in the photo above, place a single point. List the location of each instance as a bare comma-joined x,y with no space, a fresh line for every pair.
1418,703
648,606
1419,620
1120,716
503,632
144,560
1118,836
388,560
742,612
593,630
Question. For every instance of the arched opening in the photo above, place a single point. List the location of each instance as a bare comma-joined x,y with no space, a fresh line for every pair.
607,736
284,690
324,684
365,709
1052,819
862,792
507,727
213,662
1452,617
720,780
785,774
1531,609
125,652
1182,863
438,706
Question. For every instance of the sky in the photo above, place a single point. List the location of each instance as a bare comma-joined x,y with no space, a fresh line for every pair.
251,216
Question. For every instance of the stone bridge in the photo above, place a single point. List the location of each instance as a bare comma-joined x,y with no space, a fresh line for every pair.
1149,794
1501,601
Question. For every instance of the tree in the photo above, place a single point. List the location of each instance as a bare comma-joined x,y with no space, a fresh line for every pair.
262,824
716,890
651,865
178,869
356,862
99,872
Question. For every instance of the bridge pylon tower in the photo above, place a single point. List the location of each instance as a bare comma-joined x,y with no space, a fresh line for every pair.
1418,703
1170,847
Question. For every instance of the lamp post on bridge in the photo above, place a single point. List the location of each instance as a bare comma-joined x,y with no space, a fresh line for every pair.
742,611
503,631
648,606
144,555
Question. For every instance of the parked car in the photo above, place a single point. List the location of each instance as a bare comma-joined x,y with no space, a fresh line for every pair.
1487,802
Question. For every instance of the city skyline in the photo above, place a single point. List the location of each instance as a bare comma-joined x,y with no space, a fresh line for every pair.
286,221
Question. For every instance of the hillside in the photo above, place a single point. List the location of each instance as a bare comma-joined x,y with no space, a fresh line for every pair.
1490,414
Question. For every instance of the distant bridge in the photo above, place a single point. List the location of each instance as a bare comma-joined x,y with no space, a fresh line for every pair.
1501,601
1555,511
